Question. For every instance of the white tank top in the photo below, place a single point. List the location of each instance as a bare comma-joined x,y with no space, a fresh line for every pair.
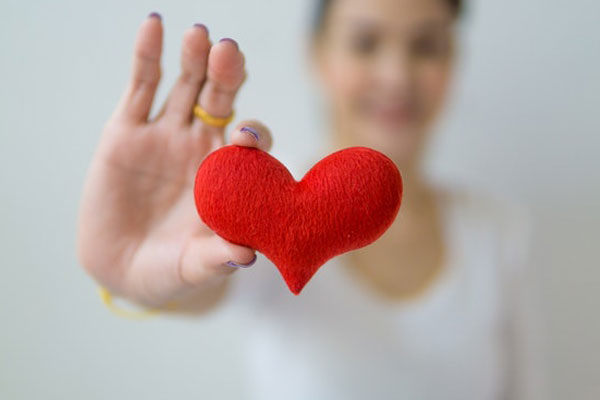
471,335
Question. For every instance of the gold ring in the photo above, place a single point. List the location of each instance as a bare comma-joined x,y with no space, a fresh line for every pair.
219,122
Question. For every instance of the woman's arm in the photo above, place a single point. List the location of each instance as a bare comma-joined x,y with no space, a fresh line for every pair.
138,233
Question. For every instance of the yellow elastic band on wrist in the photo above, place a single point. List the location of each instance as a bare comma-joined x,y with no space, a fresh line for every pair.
219,122
107,299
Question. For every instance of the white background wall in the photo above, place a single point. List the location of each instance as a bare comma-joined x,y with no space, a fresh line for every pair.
523,122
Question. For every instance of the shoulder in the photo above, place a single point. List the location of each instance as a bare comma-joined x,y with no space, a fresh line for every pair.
499,212
501,219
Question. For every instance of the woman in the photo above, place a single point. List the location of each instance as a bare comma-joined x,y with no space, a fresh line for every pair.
435,309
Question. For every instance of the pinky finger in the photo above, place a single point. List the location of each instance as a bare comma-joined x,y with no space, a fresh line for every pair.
137,100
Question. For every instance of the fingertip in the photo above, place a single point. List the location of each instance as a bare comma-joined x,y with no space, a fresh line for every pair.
196,45
155,15
149,38
153,22
227,48
252,133
231,41
226,64
203,27
197,30
248,264
238,254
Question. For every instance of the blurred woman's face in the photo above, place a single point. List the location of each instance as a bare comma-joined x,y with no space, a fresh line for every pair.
385,66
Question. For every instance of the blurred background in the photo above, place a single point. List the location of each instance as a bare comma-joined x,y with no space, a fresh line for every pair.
523,123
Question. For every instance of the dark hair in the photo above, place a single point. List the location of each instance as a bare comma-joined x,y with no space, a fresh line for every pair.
323,6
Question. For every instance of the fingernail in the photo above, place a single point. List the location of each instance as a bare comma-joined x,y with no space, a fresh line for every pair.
198,25
154,14
236,265
251,131
229,40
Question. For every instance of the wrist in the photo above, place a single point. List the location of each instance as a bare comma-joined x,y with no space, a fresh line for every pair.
133,312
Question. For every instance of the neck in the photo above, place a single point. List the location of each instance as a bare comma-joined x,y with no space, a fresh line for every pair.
417,196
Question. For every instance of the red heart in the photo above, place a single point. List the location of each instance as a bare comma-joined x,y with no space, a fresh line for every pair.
344,202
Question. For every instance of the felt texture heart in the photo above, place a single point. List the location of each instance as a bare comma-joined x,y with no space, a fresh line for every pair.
344,202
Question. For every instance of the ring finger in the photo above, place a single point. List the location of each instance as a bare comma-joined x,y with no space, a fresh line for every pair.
225,74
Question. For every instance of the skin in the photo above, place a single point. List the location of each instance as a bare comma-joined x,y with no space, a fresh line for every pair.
385,67
138,231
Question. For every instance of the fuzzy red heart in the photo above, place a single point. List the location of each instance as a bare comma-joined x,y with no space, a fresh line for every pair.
344,202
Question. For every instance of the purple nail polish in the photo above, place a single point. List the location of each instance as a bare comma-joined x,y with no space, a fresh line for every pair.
154,14
198,25
229,40
251,131
236,265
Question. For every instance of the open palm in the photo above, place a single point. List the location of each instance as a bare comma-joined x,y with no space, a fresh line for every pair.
138,230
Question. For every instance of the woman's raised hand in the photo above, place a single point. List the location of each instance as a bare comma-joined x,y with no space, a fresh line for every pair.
139,234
